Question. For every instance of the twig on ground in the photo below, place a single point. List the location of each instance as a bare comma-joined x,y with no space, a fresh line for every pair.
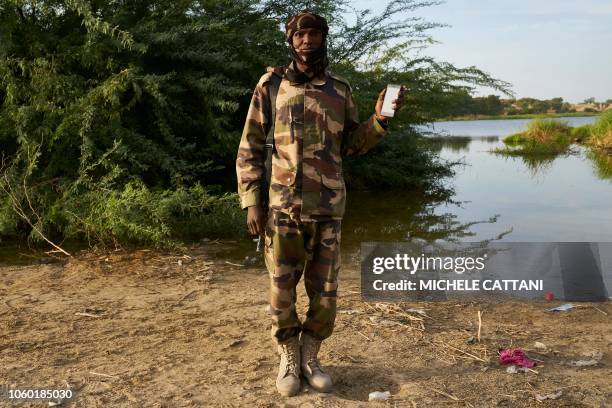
445,394
186,296
21,212
479,325
87,314
369,339
465,352
599,310
103,375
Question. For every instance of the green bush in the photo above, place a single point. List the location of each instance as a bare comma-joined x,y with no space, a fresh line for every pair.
402,160
542,137
602,163
581,134
601,132
515,139
159,218
113,114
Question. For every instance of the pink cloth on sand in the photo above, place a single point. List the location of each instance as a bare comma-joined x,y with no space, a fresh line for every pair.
515,356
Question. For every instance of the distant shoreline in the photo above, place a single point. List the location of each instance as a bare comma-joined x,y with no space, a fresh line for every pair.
523,116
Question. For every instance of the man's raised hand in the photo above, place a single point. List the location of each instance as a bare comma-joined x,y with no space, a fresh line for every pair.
396,103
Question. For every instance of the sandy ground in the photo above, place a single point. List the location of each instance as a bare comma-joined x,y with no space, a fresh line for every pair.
156,332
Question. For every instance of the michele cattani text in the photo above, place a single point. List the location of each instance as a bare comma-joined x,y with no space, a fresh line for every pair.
460,284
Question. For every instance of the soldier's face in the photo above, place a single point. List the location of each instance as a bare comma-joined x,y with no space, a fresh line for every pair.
306,41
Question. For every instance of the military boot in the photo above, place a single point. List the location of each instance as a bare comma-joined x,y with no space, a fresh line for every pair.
311,368
288,380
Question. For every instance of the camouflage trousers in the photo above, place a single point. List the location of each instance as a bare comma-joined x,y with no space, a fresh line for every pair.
293,248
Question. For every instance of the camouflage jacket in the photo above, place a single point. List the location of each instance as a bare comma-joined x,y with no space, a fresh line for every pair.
316,125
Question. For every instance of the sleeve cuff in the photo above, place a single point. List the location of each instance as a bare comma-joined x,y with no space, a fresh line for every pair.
379,126
249,199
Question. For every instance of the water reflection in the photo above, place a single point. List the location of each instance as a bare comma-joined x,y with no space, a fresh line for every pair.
405,216
602,164
535,164
455,144
538,164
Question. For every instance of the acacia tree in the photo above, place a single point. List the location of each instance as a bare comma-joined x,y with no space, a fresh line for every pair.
117,119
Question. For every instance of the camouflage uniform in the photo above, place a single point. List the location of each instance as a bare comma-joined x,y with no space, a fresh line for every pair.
316,126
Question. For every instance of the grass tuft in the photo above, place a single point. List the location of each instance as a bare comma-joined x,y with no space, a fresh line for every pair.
543,136
601,132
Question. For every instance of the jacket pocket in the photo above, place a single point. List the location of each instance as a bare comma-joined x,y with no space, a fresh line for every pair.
284,177
333,195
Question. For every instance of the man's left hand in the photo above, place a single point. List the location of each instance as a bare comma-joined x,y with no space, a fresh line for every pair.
396,103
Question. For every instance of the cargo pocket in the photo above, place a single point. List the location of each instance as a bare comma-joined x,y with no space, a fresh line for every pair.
333,195
283,176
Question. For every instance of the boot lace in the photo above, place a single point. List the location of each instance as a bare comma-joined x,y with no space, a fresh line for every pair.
291,361
312,349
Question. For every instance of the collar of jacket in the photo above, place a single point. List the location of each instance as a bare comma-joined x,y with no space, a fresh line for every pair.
319,80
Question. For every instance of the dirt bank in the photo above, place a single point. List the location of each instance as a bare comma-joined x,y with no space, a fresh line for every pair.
144,328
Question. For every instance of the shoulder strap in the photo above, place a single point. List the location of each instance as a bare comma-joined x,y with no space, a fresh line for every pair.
269,148
275,80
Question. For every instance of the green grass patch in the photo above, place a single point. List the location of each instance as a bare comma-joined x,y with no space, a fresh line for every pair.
515,139
581,134
133,215
544,136
601,132
602,163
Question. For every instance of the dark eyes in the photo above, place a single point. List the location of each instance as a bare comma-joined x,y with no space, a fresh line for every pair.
300,35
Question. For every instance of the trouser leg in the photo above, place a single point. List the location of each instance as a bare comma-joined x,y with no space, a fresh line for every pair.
321,277
284,257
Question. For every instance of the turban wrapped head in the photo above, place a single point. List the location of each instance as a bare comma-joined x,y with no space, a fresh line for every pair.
302,20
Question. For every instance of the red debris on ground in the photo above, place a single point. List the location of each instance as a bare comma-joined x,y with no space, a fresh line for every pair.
515,356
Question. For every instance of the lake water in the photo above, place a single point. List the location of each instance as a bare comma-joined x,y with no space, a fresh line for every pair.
501,199
479,128
564,199
496,197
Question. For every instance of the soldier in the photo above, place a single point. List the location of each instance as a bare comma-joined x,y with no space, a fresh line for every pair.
315,125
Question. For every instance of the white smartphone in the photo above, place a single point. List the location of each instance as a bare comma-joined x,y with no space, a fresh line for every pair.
390,96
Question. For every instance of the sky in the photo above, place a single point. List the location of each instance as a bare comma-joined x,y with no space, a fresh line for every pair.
544,48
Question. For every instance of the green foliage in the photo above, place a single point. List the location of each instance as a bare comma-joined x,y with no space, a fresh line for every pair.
601,132
402,161
542,137
117,118
602,163
581,134
109,93
9,220
543,130
160,218
463,105
515,139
